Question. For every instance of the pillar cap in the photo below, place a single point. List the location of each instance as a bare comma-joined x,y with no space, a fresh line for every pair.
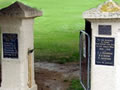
20,10
108,10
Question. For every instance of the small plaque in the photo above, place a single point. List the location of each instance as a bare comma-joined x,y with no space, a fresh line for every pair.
104,30
10,45
104,51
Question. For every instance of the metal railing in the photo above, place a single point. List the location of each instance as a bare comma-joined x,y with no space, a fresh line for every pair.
82,32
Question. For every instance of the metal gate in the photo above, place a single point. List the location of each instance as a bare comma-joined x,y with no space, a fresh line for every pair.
85,64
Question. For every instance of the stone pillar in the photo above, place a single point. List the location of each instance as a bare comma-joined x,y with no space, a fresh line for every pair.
105,50
16,22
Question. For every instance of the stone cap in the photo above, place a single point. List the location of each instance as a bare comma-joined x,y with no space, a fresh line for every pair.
20,10
108,10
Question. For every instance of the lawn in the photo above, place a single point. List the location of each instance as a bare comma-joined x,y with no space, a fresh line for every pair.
75,85
56,33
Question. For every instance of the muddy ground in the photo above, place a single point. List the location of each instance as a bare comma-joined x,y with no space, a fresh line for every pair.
51,76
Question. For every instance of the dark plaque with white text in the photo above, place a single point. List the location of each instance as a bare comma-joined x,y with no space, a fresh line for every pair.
105,30
104,51
10,45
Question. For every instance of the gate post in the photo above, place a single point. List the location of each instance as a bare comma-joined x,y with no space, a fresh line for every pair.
105,46
16,22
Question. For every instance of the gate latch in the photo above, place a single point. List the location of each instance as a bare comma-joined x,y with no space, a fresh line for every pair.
30,51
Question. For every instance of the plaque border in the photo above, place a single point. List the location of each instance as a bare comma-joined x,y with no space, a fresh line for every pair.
103,63
17,46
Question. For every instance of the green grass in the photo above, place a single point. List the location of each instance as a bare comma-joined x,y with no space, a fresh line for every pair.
75,85
56,33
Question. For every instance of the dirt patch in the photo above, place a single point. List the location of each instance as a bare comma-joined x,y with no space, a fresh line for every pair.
50,80
51,76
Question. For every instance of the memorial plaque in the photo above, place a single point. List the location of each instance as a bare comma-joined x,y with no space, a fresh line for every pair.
104,51
104,30
10,45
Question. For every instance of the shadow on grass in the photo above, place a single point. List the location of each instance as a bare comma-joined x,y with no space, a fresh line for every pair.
58,58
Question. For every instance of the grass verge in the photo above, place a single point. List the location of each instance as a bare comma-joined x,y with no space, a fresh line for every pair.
75,85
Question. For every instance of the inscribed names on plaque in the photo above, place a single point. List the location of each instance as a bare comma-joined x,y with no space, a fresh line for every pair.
10,45
104,51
